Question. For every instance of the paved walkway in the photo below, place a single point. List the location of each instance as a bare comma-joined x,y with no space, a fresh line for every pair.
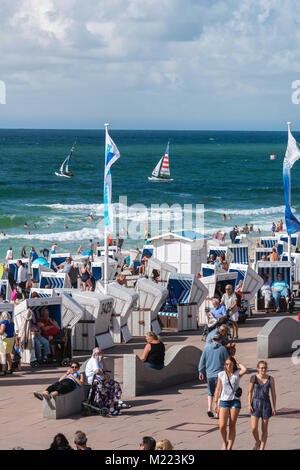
177,413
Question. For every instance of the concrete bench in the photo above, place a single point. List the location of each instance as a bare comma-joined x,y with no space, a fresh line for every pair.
64,405
277,336
181,365
70,403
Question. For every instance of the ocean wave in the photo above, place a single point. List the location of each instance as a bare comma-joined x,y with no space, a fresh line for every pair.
76,235
254,211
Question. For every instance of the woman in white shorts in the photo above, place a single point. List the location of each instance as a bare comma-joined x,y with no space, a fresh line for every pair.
229,299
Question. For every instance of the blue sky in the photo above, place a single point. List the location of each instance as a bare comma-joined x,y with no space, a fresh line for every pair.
150,64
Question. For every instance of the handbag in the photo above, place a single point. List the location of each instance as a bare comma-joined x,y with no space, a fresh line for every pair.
238,392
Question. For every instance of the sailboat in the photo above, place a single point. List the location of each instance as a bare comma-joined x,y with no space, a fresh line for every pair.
161,172
64,170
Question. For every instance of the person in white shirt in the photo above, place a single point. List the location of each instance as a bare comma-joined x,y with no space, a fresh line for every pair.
229,299
9,255
230,404
22,275
266,291
108,391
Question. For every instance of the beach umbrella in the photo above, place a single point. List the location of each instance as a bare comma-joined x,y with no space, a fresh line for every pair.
41,261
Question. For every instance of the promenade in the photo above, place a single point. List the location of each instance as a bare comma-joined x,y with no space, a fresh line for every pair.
177,413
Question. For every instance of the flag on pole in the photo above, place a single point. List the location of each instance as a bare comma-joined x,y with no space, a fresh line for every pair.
292,154
111,156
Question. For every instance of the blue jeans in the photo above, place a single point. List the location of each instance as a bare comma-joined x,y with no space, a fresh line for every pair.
40,341
154,366
277,295
211,385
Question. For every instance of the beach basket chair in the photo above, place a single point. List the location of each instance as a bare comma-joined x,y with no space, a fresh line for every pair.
272,269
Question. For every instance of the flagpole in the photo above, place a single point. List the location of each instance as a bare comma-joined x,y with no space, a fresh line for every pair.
105,279
289,236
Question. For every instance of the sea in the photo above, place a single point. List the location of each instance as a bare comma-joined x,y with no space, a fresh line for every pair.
214,173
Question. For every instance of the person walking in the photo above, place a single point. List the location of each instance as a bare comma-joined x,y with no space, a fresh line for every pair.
211,363
229,299
259,403
227,399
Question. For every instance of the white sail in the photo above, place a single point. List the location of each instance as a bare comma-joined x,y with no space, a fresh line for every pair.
62,166
155,172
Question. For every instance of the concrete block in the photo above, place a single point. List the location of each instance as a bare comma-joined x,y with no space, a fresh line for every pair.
64,405
181,365
277,336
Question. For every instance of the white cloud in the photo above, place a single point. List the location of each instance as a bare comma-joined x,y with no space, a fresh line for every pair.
177,52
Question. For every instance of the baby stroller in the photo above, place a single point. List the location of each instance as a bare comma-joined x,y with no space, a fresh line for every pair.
89,407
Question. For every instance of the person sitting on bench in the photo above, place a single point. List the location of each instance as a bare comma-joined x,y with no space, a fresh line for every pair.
280,288
68,382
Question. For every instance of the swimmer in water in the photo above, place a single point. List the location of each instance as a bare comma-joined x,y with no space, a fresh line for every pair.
25,225
48,226
223,217
91,217
65,227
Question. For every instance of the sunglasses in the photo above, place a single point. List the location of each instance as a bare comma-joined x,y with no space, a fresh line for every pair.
74,367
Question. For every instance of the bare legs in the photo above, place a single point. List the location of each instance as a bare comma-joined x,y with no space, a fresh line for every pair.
224,414
234,412
261,443
223,418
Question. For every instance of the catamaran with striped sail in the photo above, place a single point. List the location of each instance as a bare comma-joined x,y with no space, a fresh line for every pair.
64,170
161,172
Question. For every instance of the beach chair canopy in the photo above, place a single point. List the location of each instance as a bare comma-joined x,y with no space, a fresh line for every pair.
13,267
54,280
218,250
42,292
56,259
240,253
252,282
268,242
222,279
184,289
273,268
164,268
210,269
124,300
151,295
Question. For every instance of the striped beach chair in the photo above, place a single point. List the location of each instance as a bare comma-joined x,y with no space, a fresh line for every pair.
210,269
272,269
56,259
54,280
240,253
268,242
218,250
165,269
13,267
186,293
252,281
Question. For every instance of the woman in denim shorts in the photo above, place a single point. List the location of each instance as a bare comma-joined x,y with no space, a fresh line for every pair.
229,405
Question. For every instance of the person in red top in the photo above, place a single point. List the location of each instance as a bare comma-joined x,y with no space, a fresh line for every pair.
49,327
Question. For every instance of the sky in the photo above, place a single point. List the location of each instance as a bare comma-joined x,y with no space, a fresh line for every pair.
150,64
